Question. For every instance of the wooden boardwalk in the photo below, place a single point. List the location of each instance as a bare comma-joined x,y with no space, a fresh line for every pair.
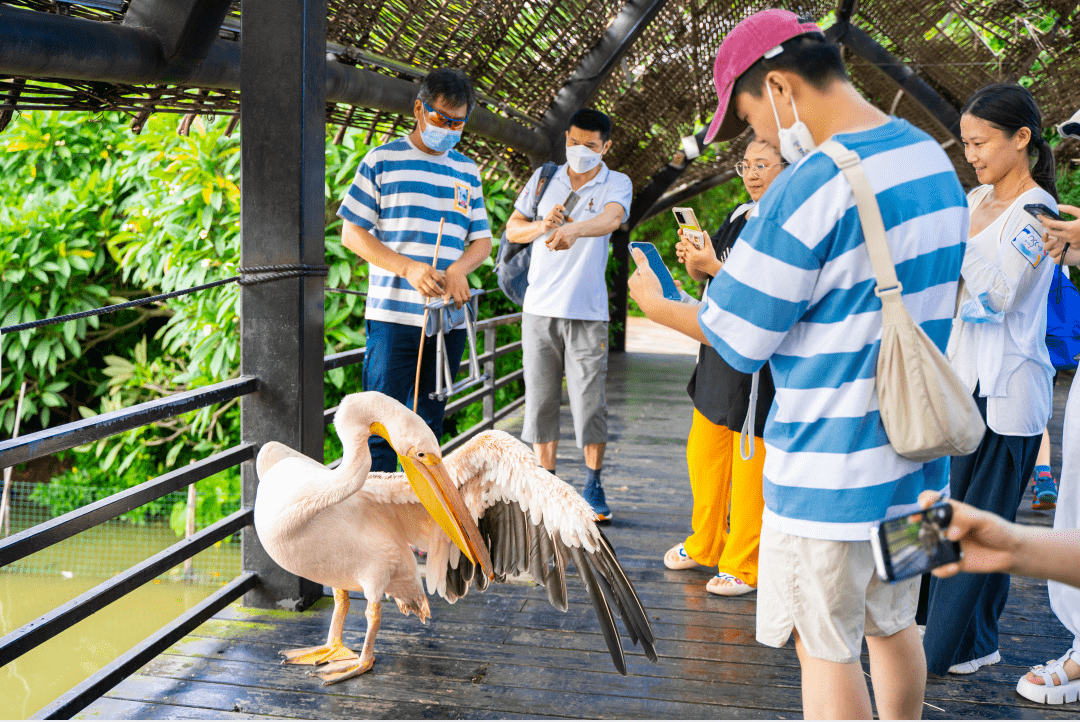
507,654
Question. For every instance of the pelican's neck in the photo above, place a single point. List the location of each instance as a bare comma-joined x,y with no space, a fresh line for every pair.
355,463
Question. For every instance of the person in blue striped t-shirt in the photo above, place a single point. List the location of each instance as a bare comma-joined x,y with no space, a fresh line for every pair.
392,211
797,292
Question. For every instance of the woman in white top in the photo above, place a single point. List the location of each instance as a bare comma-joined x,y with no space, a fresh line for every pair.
1058,681
998,347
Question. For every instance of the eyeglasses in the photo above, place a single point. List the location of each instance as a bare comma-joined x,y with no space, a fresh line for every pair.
754,170
444,121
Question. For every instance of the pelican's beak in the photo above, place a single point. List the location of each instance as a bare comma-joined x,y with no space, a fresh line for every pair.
441,498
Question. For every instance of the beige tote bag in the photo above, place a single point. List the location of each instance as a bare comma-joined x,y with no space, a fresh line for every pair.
926,410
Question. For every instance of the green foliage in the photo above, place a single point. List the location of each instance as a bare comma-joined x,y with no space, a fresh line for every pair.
60,186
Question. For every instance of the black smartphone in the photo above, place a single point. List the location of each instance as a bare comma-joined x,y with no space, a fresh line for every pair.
1041,209
913,544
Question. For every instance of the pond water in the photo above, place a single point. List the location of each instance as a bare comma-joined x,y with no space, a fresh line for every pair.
41,582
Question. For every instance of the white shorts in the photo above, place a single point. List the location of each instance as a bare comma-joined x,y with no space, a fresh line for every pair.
829,593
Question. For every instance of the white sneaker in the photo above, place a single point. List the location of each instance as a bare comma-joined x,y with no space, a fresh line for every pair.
973,666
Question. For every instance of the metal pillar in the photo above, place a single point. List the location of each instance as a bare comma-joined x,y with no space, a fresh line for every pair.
282,210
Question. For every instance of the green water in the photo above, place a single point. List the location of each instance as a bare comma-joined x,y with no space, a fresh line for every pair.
49,578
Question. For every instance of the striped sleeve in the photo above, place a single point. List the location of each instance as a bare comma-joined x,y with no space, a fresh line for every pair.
478,219
361,204
761,293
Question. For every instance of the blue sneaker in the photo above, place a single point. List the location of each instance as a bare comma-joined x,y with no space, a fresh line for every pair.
1044,491
594,494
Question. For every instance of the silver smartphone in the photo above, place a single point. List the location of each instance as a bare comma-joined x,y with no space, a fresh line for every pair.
570,203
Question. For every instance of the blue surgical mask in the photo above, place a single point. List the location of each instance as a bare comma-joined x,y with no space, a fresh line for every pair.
439,140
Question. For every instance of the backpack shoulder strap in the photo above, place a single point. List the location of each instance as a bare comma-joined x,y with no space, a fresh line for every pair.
546,172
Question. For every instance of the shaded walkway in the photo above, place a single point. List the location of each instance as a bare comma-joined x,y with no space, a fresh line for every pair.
507,653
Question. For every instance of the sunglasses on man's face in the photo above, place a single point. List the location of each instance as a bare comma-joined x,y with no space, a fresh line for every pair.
443,121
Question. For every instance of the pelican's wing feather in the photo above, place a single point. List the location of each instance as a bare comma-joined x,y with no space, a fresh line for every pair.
534,523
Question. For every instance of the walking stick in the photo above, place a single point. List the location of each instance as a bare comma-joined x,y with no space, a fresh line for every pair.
423,326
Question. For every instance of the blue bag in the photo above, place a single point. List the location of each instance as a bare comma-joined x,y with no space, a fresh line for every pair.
1063,322
513,259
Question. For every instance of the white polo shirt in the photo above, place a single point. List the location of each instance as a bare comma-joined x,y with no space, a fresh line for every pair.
570,284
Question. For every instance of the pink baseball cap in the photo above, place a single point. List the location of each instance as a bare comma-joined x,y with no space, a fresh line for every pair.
742,47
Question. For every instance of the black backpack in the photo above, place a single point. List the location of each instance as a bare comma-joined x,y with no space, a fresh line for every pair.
512,261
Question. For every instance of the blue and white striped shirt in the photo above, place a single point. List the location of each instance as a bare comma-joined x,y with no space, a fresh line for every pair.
398,195
798,292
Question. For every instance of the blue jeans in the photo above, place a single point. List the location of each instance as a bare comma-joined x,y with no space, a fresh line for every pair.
390,367
963,611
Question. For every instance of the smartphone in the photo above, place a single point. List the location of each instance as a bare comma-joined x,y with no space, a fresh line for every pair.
569,204
671,291
1041,209
913,544
688,223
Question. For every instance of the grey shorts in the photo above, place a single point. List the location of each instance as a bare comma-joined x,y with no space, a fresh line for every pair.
829,592
552,347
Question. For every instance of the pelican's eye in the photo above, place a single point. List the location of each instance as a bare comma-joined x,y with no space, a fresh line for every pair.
421,455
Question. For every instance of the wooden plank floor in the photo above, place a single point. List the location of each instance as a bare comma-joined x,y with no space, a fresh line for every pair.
507,654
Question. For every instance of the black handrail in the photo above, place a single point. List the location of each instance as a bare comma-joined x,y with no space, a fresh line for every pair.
46,534
47,626
82,695
49,441
345,358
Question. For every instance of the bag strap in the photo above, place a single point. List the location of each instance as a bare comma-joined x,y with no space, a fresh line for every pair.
546,173
869,216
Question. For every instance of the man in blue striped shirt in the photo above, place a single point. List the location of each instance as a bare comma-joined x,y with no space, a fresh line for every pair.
392,212
797,291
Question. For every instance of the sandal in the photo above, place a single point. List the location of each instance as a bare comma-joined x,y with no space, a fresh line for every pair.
1063,691
677,558
728,585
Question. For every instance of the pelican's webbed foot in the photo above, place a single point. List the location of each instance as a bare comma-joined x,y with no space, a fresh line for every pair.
336,652
340,671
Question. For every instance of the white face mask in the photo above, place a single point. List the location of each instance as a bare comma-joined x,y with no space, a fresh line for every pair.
581,158
796,141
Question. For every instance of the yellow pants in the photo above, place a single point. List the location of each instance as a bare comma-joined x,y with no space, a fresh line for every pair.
720,480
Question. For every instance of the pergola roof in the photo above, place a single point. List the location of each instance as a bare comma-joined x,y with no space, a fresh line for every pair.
646,63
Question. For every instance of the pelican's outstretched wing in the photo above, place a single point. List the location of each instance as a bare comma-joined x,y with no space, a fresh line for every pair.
533,522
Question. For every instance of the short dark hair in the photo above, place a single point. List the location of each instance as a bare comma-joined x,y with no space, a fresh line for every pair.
589,119
1009,108
450,84
810,56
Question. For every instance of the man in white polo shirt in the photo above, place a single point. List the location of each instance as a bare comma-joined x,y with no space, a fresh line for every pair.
564,325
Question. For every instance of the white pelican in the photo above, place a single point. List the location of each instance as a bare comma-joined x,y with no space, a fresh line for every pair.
351,530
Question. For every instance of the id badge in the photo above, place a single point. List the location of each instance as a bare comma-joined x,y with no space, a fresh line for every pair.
1029,243
462,197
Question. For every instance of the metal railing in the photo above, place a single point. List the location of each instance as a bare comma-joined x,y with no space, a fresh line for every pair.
50,441
485,393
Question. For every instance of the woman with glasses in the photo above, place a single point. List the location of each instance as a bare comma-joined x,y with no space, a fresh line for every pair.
719,476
